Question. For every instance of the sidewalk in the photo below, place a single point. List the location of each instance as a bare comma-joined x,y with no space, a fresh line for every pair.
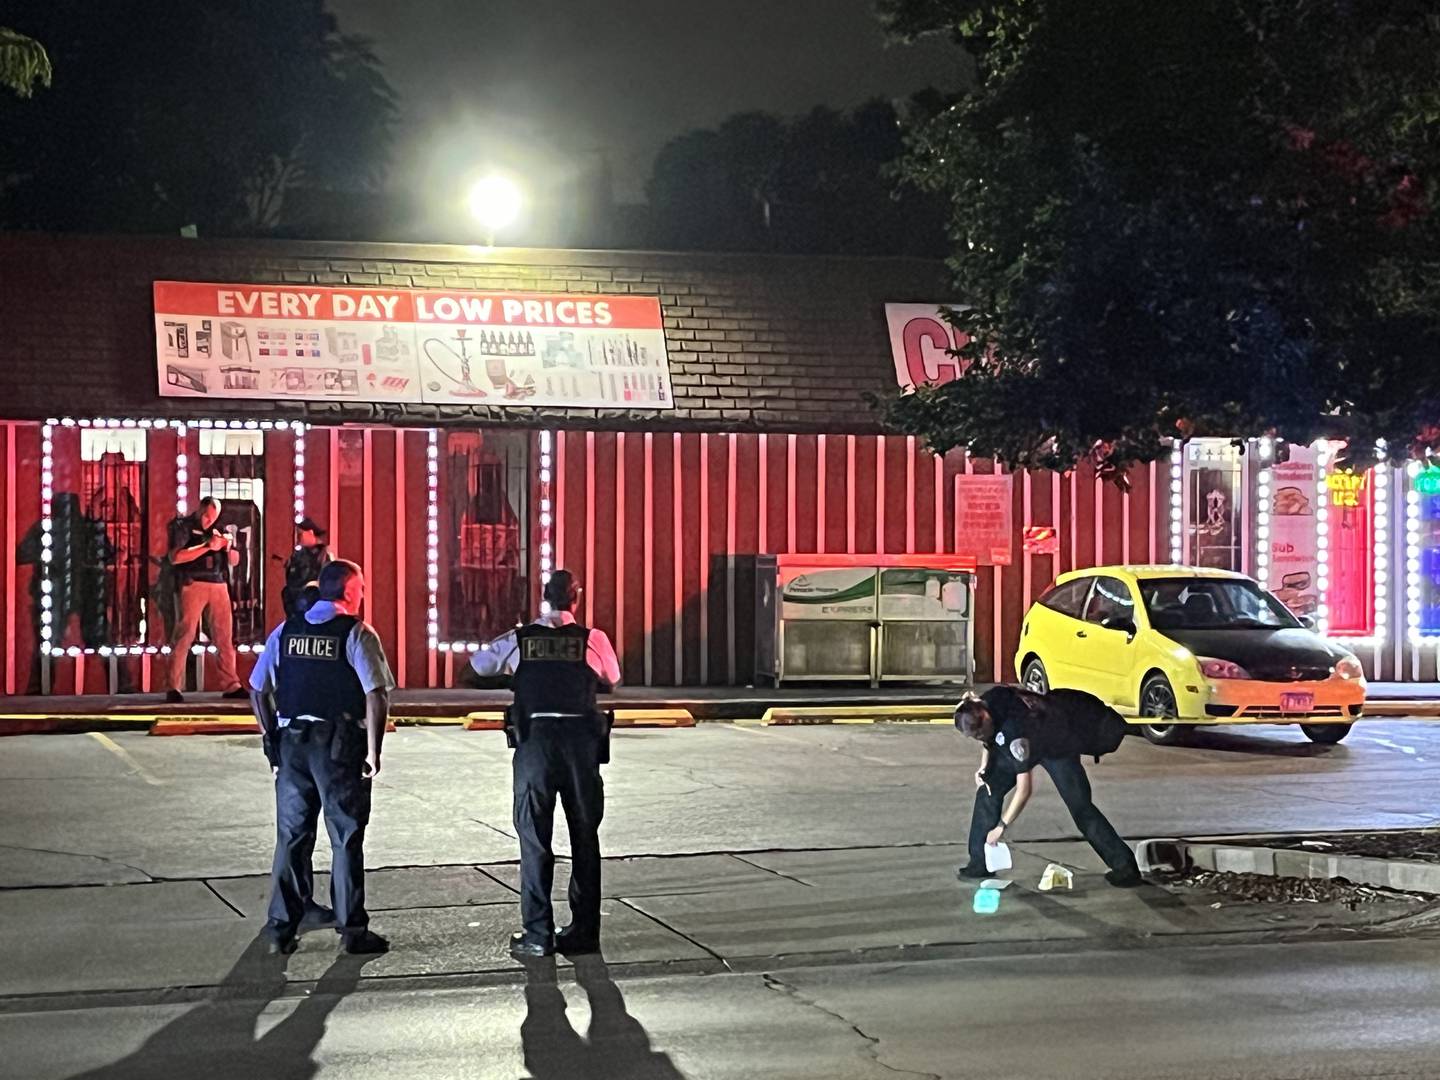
175,940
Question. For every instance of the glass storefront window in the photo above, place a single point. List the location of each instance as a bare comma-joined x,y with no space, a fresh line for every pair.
486,572
232,469
1214,503
1424,577
112,542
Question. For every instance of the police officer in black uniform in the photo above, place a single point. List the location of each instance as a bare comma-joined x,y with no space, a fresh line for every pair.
1019,730
321,692
561,739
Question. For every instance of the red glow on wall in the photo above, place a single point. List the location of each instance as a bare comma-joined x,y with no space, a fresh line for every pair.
1350,595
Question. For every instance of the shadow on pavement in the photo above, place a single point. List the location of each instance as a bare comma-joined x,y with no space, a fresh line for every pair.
217,1040
617,1046
1261,745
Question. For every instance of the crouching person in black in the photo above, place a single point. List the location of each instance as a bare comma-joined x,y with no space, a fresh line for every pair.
1018,730
321,691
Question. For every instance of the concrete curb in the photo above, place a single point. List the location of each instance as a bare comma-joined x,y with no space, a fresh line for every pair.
857,714
1403,875
494,720
244,724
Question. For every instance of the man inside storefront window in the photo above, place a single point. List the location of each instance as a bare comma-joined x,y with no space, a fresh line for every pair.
311,555
561,739
202,555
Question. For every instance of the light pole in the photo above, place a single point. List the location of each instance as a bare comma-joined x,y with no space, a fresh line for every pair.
495,202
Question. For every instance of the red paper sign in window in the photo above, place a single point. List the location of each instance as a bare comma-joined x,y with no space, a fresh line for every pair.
1351,592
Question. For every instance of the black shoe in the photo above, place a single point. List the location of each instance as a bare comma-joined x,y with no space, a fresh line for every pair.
524,947
363,943
570,943
281,946
238,694
174,697
972,872
1124,879
317,917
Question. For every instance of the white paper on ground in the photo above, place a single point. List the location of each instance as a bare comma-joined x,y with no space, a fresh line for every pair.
997,857
995,883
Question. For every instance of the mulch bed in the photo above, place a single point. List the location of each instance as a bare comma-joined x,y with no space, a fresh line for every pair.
1264,889
1419,845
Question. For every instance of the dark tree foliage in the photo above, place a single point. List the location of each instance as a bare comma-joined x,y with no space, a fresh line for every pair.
23,63
166,113
821,183
1213,217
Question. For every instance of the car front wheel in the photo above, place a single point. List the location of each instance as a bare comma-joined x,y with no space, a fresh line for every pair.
1158,700
1034,677
1325,734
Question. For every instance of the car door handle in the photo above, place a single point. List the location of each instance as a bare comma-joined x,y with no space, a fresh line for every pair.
1081,633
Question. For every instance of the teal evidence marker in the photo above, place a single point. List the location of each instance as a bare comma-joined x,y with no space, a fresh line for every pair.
987,901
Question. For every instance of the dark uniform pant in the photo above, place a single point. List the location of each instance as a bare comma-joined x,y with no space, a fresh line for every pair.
559,757
311,780
1074,788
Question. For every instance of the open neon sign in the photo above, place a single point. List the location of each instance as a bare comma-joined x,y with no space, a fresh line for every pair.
1351,556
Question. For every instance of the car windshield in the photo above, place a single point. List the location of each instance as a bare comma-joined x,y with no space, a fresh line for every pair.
1212,604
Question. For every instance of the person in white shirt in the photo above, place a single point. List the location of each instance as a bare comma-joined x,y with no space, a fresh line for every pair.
561,739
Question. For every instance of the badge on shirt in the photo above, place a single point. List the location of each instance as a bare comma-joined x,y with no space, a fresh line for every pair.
1020,749
999,738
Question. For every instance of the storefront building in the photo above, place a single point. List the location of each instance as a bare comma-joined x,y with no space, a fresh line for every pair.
464,421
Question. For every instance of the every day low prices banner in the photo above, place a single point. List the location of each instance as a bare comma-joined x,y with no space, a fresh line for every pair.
308,343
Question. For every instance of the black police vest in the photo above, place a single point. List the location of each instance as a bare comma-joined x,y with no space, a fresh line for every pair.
315,677
552,675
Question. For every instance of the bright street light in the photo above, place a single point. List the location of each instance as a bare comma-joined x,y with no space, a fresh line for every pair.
495,203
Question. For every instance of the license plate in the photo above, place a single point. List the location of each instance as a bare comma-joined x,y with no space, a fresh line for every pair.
1297,703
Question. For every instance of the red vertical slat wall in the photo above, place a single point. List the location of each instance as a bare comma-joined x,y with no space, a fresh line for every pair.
685,503
20,534
369,487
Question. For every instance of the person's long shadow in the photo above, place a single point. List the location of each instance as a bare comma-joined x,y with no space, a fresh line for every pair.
217,1039
616,1047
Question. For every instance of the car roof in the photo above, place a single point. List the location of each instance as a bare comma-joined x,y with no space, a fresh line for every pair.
1147,572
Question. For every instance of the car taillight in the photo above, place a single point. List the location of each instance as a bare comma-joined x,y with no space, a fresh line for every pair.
1222,669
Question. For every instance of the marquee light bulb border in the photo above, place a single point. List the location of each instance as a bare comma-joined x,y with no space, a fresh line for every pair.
181,427
544,486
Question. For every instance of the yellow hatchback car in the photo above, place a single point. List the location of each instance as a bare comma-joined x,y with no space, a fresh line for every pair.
1178,646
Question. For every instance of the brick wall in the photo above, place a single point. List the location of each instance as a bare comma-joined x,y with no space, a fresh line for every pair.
755,342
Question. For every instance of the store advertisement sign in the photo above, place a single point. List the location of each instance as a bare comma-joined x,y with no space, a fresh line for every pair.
846,592
1350,597
984,525
916,595
921,343
308,343
1293,551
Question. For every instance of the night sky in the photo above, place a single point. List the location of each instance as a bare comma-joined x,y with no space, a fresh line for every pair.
535,85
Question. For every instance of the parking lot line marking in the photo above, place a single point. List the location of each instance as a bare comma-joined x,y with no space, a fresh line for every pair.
120,752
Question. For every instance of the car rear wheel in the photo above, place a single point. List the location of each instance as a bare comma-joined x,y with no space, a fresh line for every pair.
1158,700
1325,734
1034,677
